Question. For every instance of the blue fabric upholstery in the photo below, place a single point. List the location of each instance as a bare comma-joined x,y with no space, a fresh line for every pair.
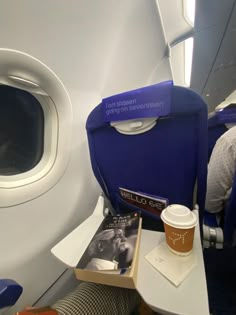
216,129
10,292
210,219
164,161
230,216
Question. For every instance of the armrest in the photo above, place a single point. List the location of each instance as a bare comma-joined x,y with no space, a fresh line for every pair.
212,233
10,292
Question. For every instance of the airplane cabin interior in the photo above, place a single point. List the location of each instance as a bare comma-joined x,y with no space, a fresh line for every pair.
62,163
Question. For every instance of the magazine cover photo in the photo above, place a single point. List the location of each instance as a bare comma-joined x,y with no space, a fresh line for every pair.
113,244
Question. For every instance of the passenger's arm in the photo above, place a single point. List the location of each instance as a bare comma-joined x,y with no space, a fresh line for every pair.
221,171
92,299
97,299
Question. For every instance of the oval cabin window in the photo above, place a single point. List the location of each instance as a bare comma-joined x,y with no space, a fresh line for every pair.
35,128
21,131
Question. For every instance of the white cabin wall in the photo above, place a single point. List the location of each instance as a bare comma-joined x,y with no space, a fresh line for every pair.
71,37
96,48
139,54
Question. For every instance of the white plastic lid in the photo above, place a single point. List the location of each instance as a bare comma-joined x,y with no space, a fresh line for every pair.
179,216
134,126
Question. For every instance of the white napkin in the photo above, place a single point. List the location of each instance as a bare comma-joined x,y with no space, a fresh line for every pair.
175,268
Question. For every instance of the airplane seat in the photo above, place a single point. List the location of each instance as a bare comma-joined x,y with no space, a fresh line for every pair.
216,128
10,292
159,154
226,223
219,233
219,122
216,234
220,260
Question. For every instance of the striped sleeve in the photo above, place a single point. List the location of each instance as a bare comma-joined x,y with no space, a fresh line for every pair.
96,299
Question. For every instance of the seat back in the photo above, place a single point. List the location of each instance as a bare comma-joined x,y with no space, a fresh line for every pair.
164,161
216,128
218,123
230,216
227,224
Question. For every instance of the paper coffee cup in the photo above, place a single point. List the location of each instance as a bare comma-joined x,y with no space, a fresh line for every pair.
179,224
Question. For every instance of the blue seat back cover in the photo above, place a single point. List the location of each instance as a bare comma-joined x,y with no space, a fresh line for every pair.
164,161
216,129
230,215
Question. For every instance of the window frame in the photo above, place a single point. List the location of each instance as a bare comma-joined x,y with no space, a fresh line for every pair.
49,149
25,72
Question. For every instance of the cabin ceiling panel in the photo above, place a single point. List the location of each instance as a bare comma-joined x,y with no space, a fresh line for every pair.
206,45
211,28
222,80
230,99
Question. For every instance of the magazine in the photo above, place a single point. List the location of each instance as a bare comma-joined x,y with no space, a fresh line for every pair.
111,256
113,244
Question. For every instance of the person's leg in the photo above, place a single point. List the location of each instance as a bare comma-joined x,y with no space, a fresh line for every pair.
96,299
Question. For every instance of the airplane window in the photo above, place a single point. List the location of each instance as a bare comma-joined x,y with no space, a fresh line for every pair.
21,131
